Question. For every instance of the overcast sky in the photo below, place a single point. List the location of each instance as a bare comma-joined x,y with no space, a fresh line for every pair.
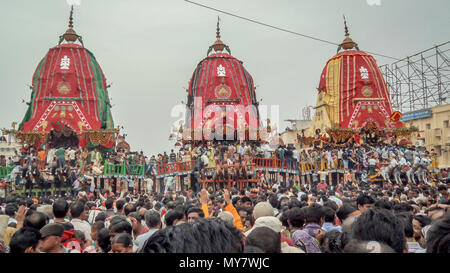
149,49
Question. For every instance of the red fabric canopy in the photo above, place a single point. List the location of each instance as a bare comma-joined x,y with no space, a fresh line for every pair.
358,91
221,94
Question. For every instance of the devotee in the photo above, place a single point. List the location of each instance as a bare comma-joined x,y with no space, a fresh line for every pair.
315,211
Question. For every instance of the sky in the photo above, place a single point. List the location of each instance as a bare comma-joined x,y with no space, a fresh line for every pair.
148,49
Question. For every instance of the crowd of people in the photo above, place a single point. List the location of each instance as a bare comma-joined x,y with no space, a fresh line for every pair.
379,206
395,164
63,170
351,218
55,169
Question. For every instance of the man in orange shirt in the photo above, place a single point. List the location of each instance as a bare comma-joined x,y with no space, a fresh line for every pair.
228,207
42,155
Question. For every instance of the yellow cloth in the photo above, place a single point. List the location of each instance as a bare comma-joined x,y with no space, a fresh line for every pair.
205,210
302,164
9,233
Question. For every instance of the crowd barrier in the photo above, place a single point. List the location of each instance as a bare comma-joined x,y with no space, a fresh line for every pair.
257,162
123,169
5,171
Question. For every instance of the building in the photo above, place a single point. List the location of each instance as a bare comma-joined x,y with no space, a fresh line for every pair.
434,131
297,128
8,148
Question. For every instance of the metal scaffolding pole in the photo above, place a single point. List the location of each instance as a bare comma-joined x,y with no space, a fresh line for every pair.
419,81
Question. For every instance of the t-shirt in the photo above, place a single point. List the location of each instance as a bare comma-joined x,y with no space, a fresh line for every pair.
130,183
169,181
60,153
141,239
323,175
42,155
275,186
315,177
336,200
394,163
205,159
72,154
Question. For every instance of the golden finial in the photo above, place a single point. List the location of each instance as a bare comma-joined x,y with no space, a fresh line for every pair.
348,43
70,35
218,45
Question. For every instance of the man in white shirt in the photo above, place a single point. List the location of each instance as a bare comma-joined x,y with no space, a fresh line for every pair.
385,153
76,186
413,170
276,185
296,156
372,165
421,172
330,163
149,185
266,149
339,156
50,156
80,214
168,184
72,157
387,170
397,170
299,195
241,149
205,159
394,167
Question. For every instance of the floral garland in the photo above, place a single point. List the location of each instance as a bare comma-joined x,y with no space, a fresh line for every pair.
101,137
31,137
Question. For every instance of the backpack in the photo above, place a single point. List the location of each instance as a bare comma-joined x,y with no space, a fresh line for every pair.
69,241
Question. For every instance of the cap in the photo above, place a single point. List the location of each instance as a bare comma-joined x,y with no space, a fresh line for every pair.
53,229
226,216
271,222
263,209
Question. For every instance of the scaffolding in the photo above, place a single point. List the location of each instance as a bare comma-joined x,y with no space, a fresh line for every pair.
419,81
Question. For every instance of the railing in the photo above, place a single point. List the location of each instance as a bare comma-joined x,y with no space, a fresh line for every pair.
174,167
257,162
123,169
274,163
137,170
5,171
115,169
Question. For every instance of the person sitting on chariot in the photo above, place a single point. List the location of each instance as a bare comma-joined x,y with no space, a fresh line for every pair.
413,170
423,169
